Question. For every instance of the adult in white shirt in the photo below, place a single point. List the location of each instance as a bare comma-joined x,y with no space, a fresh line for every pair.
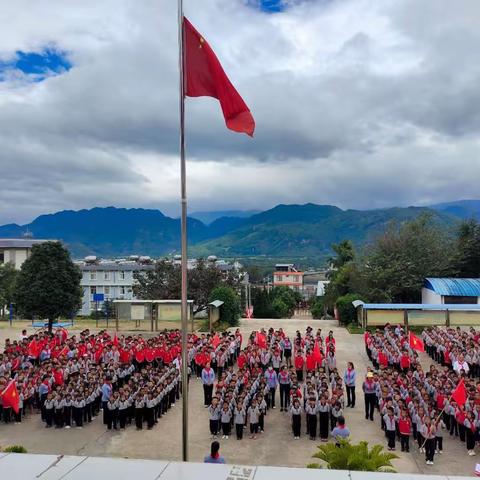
461,364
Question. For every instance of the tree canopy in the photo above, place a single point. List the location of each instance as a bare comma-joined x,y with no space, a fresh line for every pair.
393,267
48,284
8,277
164,282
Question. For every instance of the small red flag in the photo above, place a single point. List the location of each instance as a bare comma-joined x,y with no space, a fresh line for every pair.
115,340
416,343
459,395
33,349
215,340
10,396
205,77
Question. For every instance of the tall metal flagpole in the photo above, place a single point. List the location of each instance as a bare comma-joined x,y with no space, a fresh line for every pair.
183,176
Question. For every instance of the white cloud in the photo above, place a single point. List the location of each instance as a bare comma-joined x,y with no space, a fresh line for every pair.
357,103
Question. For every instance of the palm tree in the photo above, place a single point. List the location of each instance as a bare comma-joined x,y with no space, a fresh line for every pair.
354,457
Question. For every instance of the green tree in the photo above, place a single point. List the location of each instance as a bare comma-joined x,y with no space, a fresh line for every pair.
400,259
230,310
346,311
48,284
354,457
262,303
280,308
8,277
317,307
345,253
164,282
466,260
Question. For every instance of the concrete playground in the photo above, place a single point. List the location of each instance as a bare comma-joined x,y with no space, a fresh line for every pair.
275,447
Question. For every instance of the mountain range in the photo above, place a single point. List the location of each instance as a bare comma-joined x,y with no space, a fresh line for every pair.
283,231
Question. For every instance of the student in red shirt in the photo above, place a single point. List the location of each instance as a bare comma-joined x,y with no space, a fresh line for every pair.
405,426
405,362
299,362
310,361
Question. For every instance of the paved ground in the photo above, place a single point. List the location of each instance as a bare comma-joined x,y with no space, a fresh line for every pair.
275,447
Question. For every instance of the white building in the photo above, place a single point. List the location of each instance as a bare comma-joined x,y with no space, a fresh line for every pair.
450,291
113,279
16,250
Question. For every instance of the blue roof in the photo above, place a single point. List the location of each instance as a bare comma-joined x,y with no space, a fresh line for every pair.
455,287
419,306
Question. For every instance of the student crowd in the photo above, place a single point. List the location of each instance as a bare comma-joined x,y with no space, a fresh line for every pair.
70,379
422,404
303,371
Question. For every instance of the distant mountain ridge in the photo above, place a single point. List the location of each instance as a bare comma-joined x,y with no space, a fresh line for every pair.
284,230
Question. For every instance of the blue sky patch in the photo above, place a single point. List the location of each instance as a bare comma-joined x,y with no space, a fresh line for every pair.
269,6
37,65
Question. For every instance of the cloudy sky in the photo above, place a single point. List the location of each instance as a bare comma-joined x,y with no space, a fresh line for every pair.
358,103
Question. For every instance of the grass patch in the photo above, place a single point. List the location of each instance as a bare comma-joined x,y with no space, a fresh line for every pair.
354,329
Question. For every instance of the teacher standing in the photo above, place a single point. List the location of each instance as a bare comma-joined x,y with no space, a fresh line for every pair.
349,379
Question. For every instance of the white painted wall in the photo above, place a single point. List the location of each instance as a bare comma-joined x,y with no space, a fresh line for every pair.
429,296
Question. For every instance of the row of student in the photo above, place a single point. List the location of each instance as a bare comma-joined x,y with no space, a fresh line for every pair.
239,400
425,398
453,347
62,386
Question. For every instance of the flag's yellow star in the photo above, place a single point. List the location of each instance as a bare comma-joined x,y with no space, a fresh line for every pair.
202,40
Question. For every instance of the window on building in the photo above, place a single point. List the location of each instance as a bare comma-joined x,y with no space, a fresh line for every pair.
121,275
123,290
93,290
2,257
93,275
106,291
449,300
106,275
279,278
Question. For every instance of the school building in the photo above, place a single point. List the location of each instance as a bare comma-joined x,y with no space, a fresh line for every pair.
17,250
451,291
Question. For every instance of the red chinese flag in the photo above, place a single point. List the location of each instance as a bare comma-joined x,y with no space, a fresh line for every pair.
459,395
33,349
10,397
416,343
205,77
215,340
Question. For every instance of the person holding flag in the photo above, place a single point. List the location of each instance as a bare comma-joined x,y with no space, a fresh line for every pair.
416,343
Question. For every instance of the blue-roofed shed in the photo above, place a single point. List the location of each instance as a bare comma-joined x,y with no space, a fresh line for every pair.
451,290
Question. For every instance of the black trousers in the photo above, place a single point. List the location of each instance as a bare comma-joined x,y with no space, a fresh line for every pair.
405,442
284,395
299,375
312,425
78,416
430,449
48,415
324,419
239,430
213,427
67,416
207,394
139,418
391,438
271,397
370,400
439,443
351,396
226,428
296,425
58,416
470,437
122,417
